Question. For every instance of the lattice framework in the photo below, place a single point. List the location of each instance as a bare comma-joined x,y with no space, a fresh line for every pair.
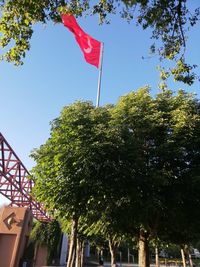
16,183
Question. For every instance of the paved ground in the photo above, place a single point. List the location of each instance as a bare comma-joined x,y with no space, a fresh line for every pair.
107,264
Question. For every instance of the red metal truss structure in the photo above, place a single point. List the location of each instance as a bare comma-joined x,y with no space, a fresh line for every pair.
15,182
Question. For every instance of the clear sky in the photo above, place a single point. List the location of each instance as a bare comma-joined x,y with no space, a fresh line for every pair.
55,74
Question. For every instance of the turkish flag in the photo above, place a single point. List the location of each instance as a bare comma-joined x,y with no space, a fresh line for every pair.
90,47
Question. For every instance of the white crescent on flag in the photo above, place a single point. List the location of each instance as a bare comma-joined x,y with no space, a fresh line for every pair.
89,49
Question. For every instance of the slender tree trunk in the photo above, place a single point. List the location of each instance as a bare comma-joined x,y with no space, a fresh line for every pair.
80,252
113,245
143,253
157,257
128,255
183,257
190,259
73,243
101,261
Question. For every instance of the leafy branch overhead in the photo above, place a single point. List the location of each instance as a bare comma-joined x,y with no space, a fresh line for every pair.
170,21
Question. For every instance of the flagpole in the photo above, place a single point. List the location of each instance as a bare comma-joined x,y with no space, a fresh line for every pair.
100,74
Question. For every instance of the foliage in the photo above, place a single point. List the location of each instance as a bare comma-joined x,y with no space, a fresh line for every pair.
125,169
47,234
78,164
169,21
67,171
79,169
163,150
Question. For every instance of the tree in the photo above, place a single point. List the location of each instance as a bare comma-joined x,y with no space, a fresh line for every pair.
169,21
161,134
105,227
76,165
82,174
132,168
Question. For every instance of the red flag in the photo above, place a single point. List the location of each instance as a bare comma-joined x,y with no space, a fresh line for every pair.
90,47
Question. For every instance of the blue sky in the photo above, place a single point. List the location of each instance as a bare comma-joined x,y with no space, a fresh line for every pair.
55,74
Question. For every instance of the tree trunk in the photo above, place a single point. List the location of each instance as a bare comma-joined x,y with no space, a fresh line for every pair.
73,243
80,252
113,245
143,253
157,257
190,259
128,255
183,257
100,254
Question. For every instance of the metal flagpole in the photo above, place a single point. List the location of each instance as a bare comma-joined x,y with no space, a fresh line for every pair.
100,74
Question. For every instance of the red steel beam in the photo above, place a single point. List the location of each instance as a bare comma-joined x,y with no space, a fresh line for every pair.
16,183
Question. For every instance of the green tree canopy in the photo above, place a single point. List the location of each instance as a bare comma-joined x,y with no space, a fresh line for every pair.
68,164
162,136
131,168
169,20
79,167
